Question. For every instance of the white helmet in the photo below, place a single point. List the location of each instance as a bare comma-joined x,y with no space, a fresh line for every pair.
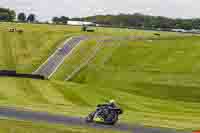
112,101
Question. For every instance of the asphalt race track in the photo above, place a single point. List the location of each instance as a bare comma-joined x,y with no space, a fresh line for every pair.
13,113
56,59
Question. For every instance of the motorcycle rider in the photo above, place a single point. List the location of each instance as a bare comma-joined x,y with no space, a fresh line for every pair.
111,104
107,111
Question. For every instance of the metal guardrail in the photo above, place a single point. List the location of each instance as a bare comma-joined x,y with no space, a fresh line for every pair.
11,73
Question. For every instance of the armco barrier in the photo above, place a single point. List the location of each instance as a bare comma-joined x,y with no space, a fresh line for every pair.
8,73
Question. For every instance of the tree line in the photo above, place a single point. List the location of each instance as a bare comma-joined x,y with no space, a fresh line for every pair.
60,20
138,20
23,18
9,15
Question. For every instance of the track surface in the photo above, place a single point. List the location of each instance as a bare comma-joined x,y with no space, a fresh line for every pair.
56,59
13,113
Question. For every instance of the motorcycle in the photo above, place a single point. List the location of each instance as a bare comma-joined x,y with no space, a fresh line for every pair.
104,115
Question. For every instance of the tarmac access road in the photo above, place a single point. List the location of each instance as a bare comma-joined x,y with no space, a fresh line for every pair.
50,66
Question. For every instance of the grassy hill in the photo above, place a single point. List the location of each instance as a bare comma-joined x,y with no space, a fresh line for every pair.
26,51
79,99
107,40
142,63
159,64
155,79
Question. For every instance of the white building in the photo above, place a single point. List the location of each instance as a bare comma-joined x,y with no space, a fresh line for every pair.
187,31
178,30
195,31
80,23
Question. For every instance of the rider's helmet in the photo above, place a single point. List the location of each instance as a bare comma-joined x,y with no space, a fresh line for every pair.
112,101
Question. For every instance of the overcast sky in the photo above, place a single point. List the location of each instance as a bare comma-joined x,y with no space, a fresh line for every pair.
45,9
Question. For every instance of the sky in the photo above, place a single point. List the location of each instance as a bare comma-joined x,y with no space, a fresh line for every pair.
46,9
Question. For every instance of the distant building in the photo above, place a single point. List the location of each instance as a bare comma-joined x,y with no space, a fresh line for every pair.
179,30
194,31
80,23
187,31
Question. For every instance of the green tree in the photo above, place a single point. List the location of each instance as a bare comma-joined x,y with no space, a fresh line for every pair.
7,14
12,15
55,20
21,17
31,18
64,19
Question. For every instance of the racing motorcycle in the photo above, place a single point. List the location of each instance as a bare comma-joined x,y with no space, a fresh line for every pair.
104,115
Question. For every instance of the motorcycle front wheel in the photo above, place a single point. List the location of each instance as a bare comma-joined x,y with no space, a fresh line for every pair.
90,117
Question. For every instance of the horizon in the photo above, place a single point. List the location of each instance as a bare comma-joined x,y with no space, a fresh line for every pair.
44,12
